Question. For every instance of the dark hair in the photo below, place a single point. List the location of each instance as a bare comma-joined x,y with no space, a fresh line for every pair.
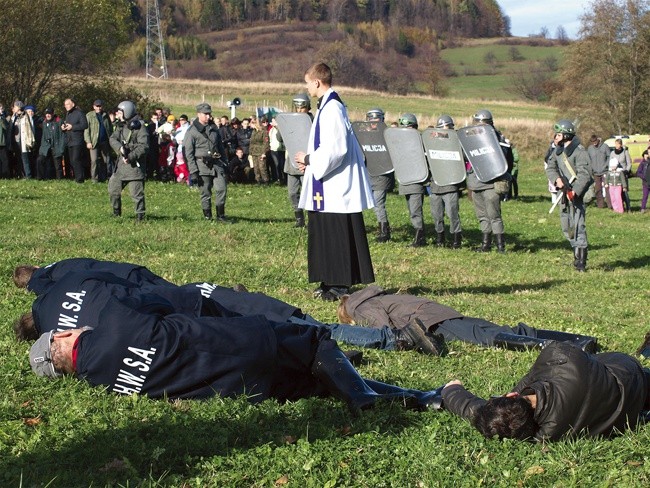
25,329
506,417
22,275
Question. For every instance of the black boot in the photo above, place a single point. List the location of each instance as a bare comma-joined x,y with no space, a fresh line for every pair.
586,343
117,212
458,239
414,337
139,218
440,239
383,232
501,243
300,218
221,215
425,400
516,342
580,261
335,372
486,245
207,213
419,240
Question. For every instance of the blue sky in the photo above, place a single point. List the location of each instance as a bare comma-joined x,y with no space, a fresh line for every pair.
528,17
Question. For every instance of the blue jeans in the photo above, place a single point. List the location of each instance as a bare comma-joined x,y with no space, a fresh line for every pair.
366,337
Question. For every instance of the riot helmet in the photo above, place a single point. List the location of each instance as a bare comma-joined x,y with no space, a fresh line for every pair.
483,116
302,101
445,122
408,120
566,128
128,109
375,114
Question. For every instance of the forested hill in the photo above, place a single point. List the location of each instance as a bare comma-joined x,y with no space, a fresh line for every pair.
389,45
466,18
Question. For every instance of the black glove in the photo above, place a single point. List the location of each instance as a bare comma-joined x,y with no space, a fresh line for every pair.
195,179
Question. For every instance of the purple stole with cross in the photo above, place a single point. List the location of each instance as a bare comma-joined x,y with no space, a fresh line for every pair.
318,193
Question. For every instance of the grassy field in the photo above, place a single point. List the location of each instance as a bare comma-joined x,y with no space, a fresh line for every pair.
63,433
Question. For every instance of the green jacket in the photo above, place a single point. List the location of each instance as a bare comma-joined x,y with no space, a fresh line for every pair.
137,142
52,138
91,134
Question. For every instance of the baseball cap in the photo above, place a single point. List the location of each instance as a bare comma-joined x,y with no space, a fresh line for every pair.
40,357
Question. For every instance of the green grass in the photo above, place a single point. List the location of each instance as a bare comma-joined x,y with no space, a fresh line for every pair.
63,433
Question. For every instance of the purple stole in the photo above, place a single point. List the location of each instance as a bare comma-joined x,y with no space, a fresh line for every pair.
318,193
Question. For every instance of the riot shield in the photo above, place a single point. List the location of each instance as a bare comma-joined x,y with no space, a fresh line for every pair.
294,129
482,148
445,156
371,139
407,154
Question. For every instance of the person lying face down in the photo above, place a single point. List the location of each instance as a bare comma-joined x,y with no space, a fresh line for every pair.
164,354
566,393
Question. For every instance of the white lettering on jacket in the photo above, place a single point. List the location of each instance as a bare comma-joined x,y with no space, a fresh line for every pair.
206,289
74,305
130,381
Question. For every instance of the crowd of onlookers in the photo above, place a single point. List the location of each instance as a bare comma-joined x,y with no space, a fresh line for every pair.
47,145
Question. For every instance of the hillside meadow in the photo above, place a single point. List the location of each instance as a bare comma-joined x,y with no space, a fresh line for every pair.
66,434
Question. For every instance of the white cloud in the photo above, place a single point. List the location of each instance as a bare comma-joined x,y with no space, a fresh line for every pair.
528,17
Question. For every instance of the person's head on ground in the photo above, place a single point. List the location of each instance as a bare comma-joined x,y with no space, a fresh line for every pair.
51,355
342,313
507,417
25,328
22,274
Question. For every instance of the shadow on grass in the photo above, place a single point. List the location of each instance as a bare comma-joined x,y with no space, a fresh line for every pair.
174,445
545,285
632,263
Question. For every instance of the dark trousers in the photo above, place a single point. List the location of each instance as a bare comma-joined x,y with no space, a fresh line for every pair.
77,162
49,166
4,163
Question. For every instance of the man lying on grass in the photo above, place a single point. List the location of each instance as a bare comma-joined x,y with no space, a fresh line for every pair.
567,392
166,354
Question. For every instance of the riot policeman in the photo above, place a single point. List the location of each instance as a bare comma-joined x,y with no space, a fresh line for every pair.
301,104
381,185
569,169
414,193
130,142
205,157
487,202
445,198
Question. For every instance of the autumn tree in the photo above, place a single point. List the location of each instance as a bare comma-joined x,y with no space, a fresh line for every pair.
43,40
606,73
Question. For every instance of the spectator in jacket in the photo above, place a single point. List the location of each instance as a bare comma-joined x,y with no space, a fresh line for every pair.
622,155
239,170
277,152
50,153
244,134
599,157
643,173
97,136
259,146
566,393
5,144
23,138
73,126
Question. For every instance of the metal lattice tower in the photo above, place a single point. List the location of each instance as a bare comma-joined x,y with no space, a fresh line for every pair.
156,63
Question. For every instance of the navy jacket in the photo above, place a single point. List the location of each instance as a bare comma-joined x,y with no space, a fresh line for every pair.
177,356
245,303
76,300
44,277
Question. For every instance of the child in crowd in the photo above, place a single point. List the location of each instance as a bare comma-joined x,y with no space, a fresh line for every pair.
616,184
642,172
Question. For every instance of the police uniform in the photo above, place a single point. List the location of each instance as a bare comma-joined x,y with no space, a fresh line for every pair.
569,160
204,153
487,202
445,198
133,136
